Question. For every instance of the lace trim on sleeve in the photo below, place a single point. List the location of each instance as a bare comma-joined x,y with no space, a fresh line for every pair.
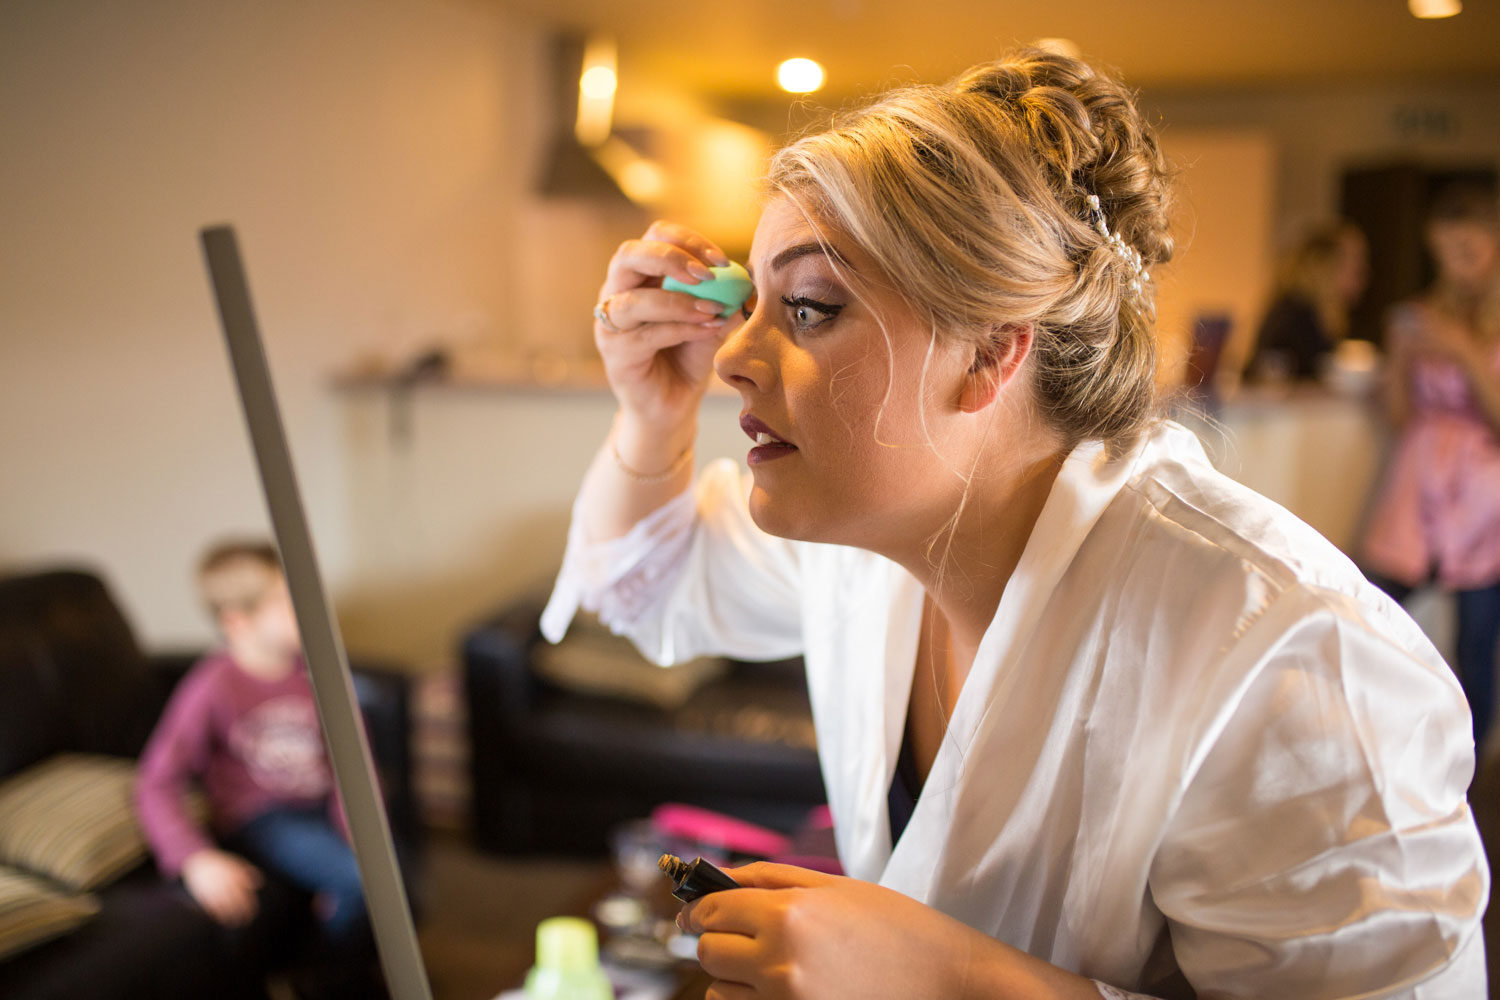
1109,992
620,578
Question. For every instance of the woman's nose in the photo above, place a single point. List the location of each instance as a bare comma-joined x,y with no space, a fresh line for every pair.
745,359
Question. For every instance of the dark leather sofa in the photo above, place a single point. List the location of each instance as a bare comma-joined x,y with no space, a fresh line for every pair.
553,769
72,678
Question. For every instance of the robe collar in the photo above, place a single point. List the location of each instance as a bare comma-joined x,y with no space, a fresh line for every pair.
1085,486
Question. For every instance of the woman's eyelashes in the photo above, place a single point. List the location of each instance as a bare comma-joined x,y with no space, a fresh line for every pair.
803,312
806,313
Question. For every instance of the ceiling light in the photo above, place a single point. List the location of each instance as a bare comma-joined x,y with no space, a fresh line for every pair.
799,76
596,91
1428,9
597,82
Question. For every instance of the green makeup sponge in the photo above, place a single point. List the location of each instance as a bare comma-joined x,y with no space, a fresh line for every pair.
730,285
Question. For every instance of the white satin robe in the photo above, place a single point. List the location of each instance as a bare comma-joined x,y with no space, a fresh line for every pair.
1190,712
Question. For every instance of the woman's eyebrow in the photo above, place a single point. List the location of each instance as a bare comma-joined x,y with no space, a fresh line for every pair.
791,253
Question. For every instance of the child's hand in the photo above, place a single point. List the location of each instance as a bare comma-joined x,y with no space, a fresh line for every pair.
223,884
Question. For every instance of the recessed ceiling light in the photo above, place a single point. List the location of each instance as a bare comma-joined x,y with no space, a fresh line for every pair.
1428,9
799,76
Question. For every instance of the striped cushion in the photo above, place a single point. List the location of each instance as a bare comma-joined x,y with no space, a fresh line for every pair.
71,818
32,912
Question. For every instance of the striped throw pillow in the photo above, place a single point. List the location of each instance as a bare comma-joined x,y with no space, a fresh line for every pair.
32,912
72,819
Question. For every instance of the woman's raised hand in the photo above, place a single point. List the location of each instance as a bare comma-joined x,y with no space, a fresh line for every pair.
658,346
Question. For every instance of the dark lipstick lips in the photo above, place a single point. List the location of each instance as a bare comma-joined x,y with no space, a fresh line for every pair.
771,450
754,427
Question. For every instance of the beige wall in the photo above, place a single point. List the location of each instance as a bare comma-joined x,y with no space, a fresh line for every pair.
375,156
468,506
1226,199
1319,131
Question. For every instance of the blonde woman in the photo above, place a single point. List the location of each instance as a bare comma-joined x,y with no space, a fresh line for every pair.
1091,717
1436,518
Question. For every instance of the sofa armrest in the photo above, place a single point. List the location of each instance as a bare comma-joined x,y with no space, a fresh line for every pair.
384,693
496,655
501,692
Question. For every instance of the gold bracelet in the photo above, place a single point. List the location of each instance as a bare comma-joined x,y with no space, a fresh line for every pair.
641,477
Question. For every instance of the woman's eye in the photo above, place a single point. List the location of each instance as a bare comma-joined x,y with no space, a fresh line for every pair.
749,306
809,313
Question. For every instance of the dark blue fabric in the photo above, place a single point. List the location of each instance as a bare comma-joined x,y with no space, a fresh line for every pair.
1478,632
901,801
304,848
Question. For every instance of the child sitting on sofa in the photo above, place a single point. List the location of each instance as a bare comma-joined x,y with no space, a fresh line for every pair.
242,725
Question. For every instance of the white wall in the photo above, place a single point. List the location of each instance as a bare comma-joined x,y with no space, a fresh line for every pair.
375,156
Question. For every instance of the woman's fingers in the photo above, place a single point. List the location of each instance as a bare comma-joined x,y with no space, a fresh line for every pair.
658,345
637,349
637,307
766,875
732,957
733,911
690,240
648,260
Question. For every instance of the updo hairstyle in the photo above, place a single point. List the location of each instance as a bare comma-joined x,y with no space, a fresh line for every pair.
973,199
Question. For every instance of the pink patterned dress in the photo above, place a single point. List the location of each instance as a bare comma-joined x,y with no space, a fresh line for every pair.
1437,515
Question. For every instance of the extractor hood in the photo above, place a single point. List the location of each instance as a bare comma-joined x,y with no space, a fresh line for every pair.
569,168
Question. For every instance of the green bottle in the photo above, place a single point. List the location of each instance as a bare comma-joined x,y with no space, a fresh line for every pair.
567,963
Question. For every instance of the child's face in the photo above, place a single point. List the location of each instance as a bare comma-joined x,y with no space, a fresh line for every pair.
269,628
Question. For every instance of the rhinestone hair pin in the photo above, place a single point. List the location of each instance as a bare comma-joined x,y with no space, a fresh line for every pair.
1126,252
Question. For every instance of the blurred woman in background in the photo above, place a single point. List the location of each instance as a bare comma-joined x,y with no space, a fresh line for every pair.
1320,281
1436,517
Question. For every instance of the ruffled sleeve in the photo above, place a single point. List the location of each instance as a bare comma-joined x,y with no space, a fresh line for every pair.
696,577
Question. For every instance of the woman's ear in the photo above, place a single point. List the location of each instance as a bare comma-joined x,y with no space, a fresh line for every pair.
996,362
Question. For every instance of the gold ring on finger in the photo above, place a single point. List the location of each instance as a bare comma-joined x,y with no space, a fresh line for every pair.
601,313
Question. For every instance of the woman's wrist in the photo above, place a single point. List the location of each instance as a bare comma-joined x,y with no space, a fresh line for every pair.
647,453
990,969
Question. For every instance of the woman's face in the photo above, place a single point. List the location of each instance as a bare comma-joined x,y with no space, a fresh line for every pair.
1351,268
845,403
1467,253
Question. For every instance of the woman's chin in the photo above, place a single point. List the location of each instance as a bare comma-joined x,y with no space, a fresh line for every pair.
780,517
